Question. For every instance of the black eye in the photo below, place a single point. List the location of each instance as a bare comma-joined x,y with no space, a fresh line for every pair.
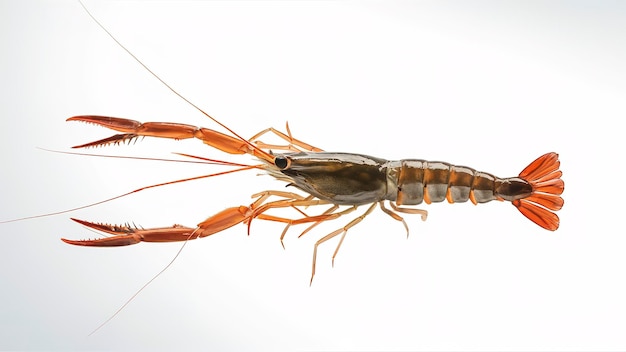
281,162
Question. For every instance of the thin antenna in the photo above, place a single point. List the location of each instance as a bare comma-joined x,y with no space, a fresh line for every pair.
242,167
267,156
207,161
247,167
144,285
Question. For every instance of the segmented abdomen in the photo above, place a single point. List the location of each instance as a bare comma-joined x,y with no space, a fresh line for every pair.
434,181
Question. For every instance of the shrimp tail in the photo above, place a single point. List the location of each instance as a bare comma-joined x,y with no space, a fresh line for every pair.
544,177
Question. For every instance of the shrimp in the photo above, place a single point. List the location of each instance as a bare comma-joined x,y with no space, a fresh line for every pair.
335,179
329,179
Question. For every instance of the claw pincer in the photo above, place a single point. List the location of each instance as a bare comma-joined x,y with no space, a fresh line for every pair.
124,235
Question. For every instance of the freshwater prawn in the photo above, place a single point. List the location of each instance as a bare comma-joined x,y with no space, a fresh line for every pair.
334,179
340,182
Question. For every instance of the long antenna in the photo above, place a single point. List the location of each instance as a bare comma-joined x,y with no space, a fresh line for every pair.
241,167
245,167
266,155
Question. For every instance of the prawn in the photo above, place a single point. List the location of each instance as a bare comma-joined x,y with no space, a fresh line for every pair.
334,179
343,182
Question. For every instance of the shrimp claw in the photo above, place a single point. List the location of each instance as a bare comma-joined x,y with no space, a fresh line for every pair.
124,235
134,129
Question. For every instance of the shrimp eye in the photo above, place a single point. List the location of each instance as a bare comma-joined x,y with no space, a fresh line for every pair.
281,162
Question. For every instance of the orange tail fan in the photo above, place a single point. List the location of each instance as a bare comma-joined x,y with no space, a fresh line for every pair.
544,176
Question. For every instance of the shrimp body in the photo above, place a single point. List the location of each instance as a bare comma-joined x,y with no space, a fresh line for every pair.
355,179
332,179
335,179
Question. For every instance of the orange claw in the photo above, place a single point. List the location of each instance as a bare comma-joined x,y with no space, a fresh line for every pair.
133,129
152,129
126,235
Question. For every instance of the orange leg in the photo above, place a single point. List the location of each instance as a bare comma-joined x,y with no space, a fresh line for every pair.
134,129
395,217
124,235
294,144
422,212
333,234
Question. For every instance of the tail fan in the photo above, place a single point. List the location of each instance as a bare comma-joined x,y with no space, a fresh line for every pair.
544,176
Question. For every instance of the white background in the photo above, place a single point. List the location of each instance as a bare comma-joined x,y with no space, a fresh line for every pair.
491,85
